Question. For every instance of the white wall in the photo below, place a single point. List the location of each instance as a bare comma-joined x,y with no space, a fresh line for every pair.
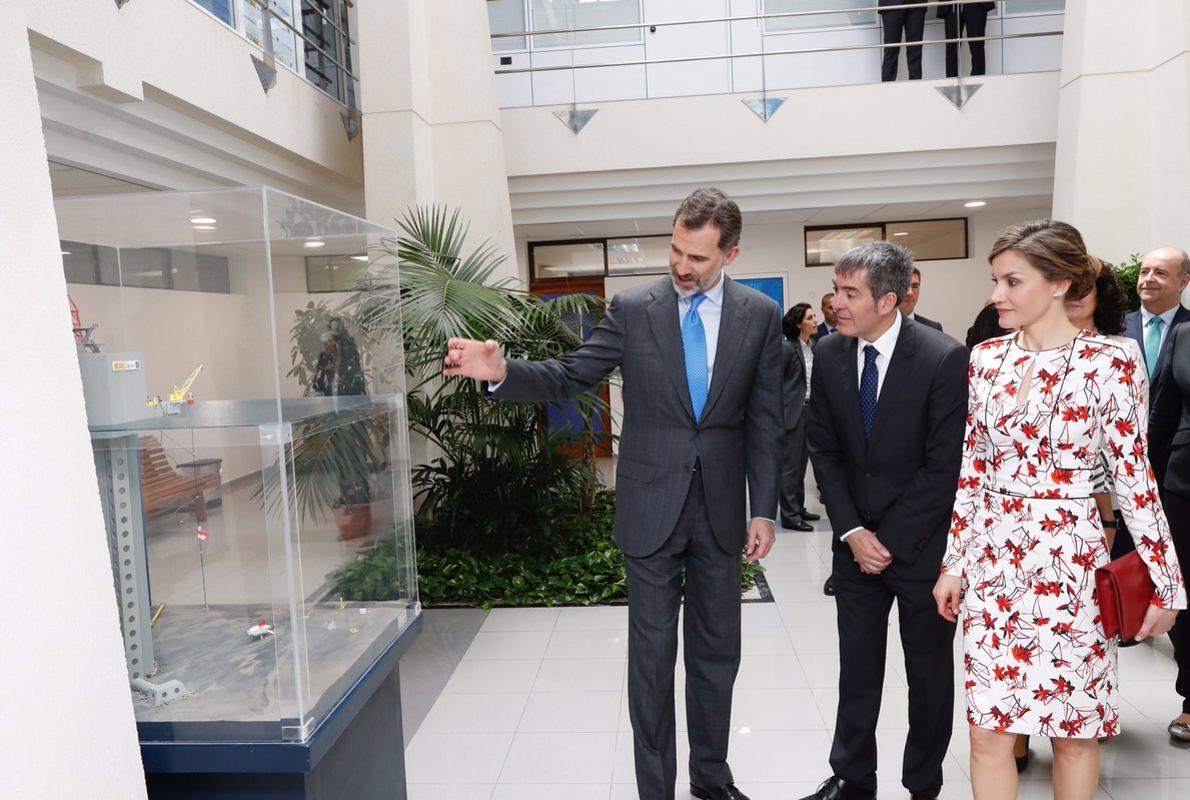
839,68
67,725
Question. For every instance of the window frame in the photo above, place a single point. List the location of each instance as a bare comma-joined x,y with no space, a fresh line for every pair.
601,240
884,225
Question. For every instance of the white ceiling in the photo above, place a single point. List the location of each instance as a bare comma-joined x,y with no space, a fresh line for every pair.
69,181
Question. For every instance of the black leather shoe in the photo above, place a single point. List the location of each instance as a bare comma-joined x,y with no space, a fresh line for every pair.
835,788
725,792
810,517
828,588
796,525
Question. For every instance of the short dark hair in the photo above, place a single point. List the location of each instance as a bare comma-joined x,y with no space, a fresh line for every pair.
826,297
793,320
709,206
1111,304
889,267
917,272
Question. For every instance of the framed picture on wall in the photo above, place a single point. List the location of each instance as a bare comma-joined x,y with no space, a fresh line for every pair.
770,285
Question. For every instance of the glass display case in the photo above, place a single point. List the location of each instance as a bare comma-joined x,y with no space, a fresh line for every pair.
251,449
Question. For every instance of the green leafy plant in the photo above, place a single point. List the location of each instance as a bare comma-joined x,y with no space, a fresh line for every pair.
1128,272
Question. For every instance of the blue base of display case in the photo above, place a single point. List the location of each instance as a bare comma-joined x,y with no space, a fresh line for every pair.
357,752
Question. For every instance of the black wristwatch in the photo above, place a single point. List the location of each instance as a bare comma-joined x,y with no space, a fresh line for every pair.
1109,523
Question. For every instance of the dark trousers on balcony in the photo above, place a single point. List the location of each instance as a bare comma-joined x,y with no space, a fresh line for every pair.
975,22
909,25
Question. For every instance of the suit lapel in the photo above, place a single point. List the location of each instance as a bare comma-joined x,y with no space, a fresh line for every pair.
1181,316
1132,328
667,331
895,379
731,330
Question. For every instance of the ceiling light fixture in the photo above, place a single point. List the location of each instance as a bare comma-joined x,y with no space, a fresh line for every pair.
314,244
901,233
203,227
66,252
975,204
202,220
359,258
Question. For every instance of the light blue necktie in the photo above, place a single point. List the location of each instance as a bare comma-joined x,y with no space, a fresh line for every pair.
694,344
1153,343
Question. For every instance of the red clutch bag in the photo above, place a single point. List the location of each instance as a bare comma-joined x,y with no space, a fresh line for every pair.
1125,593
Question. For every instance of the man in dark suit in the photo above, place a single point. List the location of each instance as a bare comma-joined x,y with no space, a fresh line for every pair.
1169,437
828,318
700,360
909,23
971,18
886,436
909,304
1164,275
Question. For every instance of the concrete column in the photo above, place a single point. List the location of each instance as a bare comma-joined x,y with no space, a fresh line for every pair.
431,121
1123,156
66,725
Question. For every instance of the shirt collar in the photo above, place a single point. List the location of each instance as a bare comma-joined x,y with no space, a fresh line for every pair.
887,341
714,295
1167,317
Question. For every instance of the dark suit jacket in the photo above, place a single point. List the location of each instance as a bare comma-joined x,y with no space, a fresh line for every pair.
947,11
660,440
1169,421
926,321
823,331
1134,329
900,484
793,383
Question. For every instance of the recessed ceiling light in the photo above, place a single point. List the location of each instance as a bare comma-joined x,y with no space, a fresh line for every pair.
359,258
314,244
975,204
203,227
901,233
202,220
65,252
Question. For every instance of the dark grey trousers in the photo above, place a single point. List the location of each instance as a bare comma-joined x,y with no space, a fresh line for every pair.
711,631
795,457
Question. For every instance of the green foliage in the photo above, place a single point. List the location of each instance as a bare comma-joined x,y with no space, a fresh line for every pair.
1128,273
576,564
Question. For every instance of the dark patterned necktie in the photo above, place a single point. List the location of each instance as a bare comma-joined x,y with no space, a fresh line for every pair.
868,383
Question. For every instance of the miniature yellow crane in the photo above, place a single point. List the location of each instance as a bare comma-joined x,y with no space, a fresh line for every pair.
179,395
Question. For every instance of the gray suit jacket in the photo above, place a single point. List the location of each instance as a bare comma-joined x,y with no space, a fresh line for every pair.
738,436
1134,329
793,384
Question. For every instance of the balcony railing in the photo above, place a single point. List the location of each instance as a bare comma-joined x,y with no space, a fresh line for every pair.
777,56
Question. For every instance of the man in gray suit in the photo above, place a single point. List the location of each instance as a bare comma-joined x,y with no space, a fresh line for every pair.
700,359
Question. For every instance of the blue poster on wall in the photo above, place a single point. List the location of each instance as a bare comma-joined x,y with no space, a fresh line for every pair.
773,288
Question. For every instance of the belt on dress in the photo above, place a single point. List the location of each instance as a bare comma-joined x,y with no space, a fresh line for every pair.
1088,488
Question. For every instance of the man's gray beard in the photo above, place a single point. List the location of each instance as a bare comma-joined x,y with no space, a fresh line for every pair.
684,293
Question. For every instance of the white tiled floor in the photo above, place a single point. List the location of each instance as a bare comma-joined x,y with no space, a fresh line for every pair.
538,707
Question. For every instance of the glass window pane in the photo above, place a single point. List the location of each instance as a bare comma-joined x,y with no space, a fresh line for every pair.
567,260
1034,6
643,255
78,261
844,17
197,272
284,47
825,245
335,273
220,8
321,37
507,16
147,267
931,239
554,14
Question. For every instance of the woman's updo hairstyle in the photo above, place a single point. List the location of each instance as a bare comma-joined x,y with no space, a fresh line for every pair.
1056,250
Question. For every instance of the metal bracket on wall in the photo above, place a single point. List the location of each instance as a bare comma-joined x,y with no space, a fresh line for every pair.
350,119
959,94
266,71
575,119
765,108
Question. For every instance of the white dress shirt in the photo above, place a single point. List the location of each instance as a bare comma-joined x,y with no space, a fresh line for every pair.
808,358
710,311
885,346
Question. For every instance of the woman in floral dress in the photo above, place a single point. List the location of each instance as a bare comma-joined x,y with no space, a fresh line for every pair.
1026,536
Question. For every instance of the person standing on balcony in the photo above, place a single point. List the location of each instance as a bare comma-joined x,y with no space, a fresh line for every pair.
970,19
906,23
700,361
